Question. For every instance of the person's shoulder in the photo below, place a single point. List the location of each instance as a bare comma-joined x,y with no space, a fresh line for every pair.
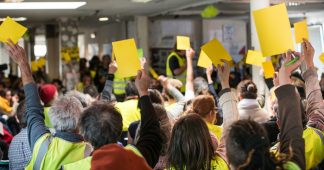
218,163
291,166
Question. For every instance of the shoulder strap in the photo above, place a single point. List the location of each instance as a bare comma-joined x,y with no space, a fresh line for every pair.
41,153
320,134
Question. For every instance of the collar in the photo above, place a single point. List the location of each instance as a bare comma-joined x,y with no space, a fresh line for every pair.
68,136
248,103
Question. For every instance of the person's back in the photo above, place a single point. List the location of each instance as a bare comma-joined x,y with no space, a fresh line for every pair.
129,111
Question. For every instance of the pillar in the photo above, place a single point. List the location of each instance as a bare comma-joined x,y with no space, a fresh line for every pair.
53,51
142,35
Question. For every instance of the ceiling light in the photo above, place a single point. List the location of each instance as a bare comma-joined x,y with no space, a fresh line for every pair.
15,19
103,19
93,35
41,5
141,1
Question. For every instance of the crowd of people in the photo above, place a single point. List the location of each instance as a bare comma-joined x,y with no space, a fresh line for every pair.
176,122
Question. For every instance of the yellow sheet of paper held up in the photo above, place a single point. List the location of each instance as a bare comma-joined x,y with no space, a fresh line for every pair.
301,31
183,43
255,58
10,29
204,61
215,51
127,59
273,28
268,69
322,58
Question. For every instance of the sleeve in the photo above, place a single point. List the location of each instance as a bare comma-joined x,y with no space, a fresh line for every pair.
150,140
228,102
290,124
107,91
174,63
35,115
315,104
178,107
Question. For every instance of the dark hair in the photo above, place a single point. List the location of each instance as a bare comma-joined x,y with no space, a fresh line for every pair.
190,145
165,126
130,89
21,114
91,90
155,96
203,105
248,147
247,89
101,124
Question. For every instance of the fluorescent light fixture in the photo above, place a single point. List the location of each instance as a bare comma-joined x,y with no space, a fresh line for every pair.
141,1
15,19
41,5
103,19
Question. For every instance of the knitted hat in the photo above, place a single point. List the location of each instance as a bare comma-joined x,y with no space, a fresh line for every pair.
47,93
113,156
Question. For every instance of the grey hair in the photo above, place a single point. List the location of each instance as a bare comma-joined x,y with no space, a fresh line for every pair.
200,86
65,113
85,101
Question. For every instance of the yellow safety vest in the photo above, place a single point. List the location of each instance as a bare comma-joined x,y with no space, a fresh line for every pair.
217,163
314,147
129,111
216,130
182,77
85,164
119,85
48,122
59,152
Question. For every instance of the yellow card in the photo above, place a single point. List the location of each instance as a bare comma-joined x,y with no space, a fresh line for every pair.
215,51
268,69
34,66
10,29
322,58
301,31
127,59
41,62
255,58
183,43
203,60
273,28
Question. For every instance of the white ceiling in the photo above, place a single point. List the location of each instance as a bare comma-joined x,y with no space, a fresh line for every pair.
160,8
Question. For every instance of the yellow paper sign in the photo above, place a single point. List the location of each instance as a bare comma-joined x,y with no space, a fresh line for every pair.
34,66
215,51
301,31
273,28
183,43
268,69
41,62
322,58
204,61
127,59
10,29
255,58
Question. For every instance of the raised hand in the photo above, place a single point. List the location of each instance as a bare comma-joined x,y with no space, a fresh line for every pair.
209,72
223,74
308,53
285,71
142,82
17,53
190,53
112,68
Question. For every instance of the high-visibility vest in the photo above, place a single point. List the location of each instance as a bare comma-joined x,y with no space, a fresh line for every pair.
119,85
58,152
216,130
85,164
314,147
183,76
129,111
47,120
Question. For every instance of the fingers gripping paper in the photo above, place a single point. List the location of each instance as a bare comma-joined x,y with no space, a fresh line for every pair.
215,51
301,31
204,61
127,59
10,29
273,28
183,43
255,58
268,69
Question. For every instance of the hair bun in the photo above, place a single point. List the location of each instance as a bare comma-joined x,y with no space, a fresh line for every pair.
250,88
